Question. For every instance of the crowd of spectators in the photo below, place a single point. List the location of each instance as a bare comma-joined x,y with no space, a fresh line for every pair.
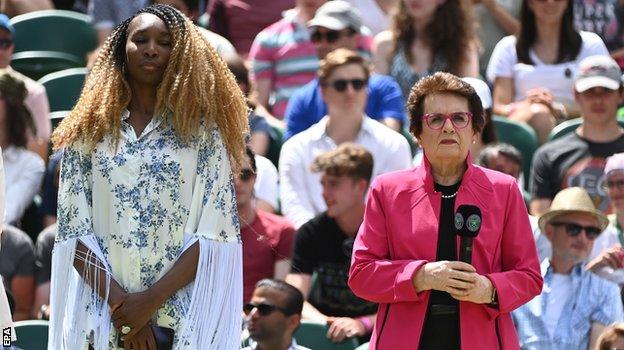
330,80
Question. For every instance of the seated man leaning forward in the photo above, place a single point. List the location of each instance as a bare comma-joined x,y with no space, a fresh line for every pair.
273,315
575,305
323,245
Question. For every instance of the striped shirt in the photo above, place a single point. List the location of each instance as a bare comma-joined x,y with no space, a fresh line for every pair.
593,299
284,54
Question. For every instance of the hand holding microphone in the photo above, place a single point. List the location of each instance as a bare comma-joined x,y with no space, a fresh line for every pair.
468,224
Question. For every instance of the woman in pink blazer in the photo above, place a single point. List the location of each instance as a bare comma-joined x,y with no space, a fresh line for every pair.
405,256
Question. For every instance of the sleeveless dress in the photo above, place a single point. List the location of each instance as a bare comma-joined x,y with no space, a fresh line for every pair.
402,72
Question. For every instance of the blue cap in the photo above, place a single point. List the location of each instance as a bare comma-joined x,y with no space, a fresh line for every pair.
5,23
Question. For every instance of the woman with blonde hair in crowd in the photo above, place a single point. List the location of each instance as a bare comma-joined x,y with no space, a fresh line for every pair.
533,72
148,246
427,36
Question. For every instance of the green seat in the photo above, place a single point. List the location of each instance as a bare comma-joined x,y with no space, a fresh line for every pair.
31,335
36,64
314,336
410,140
569,126
55,30
63,88
275,145
364,346
519,135
620,113
57,117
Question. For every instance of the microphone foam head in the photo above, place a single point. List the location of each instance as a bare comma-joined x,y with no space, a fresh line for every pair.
468,220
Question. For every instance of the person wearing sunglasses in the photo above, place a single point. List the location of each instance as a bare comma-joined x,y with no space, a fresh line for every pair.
272,315
342,76
36,100
405,255
575,305
267,238
337,24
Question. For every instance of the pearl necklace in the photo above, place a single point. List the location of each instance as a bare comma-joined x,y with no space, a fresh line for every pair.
445,196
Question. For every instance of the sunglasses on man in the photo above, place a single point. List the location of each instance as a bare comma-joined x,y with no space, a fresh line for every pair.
573,230
330,36
264,309
341,85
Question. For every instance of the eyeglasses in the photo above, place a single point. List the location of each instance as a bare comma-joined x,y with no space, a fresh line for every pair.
574,230
5,43
246,174
340,85
436,121
263,309
609,184
330,36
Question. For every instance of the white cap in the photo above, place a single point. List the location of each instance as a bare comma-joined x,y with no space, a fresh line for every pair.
482,90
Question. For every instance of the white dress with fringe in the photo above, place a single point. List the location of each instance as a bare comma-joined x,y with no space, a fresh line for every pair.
137,208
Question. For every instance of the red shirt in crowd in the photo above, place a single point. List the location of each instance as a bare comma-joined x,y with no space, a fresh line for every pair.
267,240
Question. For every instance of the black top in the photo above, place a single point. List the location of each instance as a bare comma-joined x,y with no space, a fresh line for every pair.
442,332
322,247
573,161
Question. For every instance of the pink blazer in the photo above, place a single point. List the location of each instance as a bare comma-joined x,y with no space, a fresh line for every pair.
399,235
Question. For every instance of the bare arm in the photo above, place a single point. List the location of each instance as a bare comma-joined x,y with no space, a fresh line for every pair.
23,289
503,95
102,34
259,143
282,267
303,282
539,205
596,331
42,297
509,23
382,49
470,67
262,92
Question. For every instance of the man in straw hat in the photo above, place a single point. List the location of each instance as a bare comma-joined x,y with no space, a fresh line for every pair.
575,305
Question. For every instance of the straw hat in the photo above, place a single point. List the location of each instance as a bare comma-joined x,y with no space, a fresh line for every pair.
572,200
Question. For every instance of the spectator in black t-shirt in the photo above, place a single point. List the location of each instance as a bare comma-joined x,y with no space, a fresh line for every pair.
323,245
578,159
17,267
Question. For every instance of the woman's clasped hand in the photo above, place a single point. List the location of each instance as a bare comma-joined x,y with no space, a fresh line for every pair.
457,278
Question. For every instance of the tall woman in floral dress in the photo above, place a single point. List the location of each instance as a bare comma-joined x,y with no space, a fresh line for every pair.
148,233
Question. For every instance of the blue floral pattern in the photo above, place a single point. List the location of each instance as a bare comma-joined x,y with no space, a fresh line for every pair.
145,198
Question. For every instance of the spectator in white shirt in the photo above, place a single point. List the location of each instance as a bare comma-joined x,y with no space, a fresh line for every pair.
23,168
343,75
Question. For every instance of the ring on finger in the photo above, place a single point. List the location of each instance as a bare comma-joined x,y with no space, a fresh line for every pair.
126,329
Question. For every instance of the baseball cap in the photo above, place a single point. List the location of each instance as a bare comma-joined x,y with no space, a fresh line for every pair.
614,163
598,71
337,15
482,90
5,23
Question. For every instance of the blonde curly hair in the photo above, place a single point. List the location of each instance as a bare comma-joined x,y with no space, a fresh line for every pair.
196,85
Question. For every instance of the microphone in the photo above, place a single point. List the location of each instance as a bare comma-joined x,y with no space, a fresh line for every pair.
468,224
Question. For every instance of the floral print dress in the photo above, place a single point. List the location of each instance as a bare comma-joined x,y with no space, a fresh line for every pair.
145,201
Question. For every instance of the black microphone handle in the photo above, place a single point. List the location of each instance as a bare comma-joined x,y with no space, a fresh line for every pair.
465,251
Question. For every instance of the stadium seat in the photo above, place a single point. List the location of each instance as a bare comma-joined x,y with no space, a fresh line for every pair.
36,64
519,135
275,144
568,126
63,88
31,335
55,30
57,117
314,336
